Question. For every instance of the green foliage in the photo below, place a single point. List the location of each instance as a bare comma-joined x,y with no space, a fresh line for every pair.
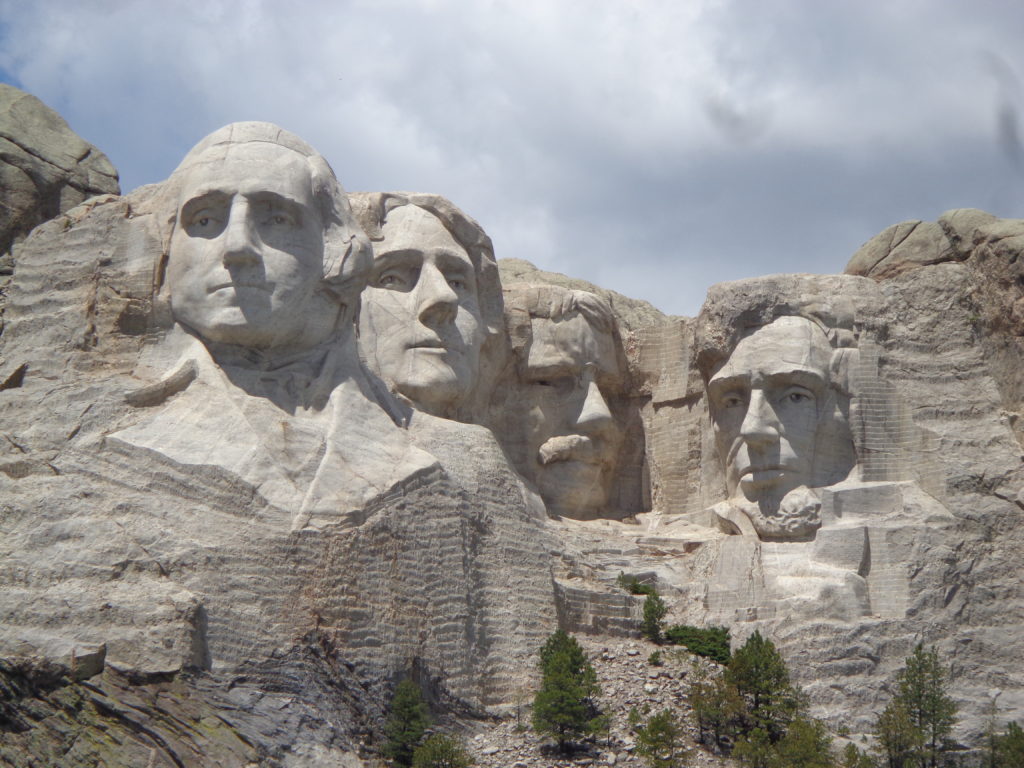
406,724
565,706
717,707
754,749
710,642
759,673
806,744
654,611
913,729
633,718
633,585
853,757
441,751
1010,747
654,659
660,742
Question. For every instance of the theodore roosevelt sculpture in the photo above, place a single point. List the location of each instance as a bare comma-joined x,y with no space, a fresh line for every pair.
559,428
777,406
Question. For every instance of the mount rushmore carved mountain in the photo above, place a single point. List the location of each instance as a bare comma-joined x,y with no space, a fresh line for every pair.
269,448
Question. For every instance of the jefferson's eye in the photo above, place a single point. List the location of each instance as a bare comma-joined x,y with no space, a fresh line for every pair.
798,396
457,283
733,401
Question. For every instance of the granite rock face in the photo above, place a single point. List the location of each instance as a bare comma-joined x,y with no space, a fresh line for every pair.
45,168
267,448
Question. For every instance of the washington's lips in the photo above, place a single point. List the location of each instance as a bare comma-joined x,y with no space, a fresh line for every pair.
260,286
572,448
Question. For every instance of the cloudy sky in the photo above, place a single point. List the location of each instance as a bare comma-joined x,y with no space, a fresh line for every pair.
652,146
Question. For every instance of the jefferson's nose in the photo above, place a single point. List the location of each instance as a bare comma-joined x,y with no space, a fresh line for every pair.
760,424
436,301
240,241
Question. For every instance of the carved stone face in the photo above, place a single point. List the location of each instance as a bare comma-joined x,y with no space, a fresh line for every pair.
767,404
246,255
572,439
420,327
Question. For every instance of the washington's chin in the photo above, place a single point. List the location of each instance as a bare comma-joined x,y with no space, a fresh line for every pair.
572,487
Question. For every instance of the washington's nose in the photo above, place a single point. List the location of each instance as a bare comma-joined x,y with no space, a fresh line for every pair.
594,416
437,302
240,245
760,424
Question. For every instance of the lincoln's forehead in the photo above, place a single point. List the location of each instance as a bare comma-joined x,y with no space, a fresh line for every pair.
787,344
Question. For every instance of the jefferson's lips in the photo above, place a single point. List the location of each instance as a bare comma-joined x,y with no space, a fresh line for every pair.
427,344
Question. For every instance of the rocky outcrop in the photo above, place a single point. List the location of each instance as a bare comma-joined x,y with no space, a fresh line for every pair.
45,170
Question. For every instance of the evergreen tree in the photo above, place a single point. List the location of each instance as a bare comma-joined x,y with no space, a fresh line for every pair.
854,757
754,749
717,707
406,724
759,673
441,751
660,742
913,729
654,612
1010,747
565,706
897,739
806,744
922,689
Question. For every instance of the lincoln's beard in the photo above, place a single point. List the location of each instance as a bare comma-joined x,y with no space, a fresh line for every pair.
795,518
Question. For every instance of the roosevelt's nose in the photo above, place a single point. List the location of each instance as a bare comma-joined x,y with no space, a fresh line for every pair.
594,417
760,424
436,300
240,239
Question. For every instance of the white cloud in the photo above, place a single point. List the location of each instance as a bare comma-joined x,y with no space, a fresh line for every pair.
655,146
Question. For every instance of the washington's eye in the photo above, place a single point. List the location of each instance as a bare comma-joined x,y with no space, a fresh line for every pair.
733,401
204,221
457,283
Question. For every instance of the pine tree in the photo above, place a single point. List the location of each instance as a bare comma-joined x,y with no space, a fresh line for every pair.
716,705
660,742
441,751
654,612
759,673
806,744
565,706
1010,747
913,729
406,724
922,689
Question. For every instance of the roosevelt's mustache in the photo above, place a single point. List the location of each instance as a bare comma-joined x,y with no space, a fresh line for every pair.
570,448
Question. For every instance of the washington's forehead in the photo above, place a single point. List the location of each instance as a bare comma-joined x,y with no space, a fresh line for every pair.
788,344
409,227
249,168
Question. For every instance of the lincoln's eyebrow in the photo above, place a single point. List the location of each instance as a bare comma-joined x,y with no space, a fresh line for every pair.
400,257
804,377
729,383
